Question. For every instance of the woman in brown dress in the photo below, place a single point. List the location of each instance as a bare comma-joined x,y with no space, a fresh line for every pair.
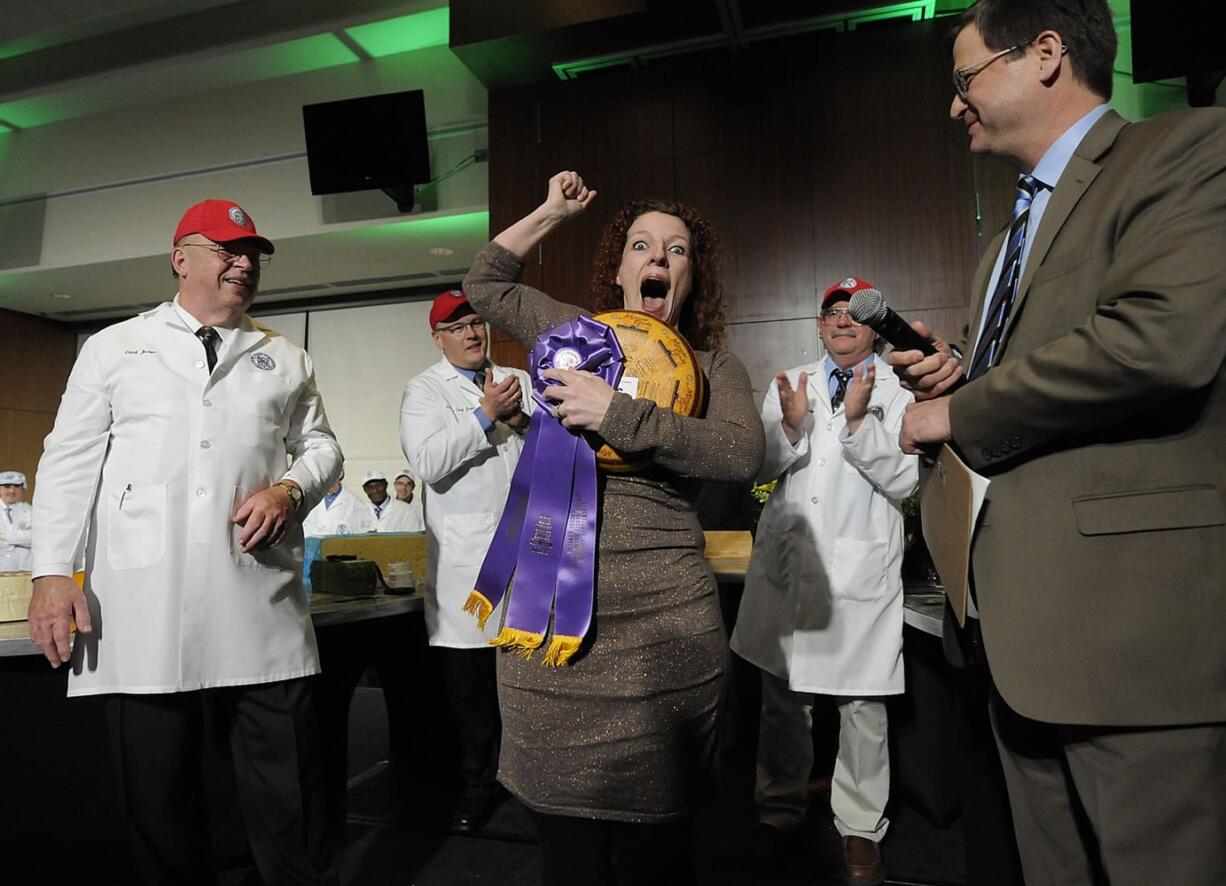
613,752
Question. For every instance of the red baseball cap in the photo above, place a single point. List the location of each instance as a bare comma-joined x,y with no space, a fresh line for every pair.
845,289
451,305
221,221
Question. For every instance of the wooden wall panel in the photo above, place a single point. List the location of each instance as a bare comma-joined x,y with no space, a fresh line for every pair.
996,185
21,441
814,157
765,223
892,217
768,348
34,364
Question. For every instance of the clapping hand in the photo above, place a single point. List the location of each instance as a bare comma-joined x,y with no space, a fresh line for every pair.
859,392
501,400
794,404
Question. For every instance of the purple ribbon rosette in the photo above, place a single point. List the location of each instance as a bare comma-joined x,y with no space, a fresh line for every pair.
543,554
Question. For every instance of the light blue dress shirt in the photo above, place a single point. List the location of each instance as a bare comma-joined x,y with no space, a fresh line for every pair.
1048,171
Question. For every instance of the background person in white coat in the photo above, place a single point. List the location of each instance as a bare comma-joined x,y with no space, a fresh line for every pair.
15,520
460,425
14,523
388,512
340,513
405,486
172,444
822,609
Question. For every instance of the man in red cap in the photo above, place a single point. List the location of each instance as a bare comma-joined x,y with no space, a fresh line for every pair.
169,457
822,610
460,426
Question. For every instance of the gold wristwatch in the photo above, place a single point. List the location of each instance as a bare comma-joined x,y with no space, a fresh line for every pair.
295,494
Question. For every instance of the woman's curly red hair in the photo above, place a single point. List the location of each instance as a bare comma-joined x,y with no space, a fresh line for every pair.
702,316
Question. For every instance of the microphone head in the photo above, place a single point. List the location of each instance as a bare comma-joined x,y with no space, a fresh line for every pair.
868,307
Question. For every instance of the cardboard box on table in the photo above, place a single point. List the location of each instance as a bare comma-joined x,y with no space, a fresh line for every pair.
381,547
15,590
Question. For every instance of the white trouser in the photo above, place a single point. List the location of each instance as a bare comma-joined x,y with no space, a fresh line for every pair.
861,783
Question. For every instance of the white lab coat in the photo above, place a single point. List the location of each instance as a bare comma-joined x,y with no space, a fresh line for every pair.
348,515
15,537
468,473
822,606
397,516
152,453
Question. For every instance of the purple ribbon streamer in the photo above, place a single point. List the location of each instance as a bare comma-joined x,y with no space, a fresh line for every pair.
546,538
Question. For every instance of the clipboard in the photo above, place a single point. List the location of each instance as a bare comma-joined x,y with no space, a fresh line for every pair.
951,497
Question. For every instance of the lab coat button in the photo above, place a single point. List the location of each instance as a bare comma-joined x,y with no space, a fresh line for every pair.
205,444
201,493
821,462
199,364
813,500
208,403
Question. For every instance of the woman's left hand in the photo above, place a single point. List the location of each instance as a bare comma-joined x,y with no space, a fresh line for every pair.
582,399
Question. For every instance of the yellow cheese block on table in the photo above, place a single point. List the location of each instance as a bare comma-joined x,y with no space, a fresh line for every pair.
383,548
728,554
15,589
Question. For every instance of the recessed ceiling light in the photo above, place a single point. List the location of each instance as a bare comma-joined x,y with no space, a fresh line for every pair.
441,250
61,295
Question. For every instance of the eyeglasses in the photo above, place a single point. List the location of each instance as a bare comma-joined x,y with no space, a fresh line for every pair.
231,256
462,328
833,315
964,76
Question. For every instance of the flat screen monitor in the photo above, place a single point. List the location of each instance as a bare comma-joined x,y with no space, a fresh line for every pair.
367,143
1177,39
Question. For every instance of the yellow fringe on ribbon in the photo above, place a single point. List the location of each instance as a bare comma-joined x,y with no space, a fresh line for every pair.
561,649
522,643
478,605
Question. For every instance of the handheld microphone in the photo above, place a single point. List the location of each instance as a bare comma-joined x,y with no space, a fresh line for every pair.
868,307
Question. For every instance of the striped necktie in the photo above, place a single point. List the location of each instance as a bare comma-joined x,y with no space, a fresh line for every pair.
841,378
479,379
208,335
1006,285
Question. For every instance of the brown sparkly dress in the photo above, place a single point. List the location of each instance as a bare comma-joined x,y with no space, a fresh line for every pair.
627,731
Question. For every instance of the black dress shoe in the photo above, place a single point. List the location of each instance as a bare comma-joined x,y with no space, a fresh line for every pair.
475,809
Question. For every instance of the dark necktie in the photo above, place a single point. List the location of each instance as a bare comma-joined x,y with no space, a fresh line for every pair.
479,379
208,335
8,512
841,378
379,509
997,315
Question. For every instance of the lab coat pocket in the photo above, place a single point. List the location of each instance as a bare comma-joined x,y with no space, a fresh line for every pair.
858,569
465,538
136,528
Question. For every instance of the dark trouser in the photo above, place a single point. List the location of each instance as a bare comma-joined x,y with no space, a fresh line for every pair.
987,824
1134,805
596,852
158,744
470,684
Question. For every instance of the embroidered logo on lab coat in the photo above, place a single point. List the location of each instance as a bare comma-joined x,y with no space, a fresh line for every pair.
260,360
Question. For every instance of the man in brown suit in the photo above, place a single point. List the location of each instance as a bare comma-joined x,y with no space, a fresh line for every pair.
1096,403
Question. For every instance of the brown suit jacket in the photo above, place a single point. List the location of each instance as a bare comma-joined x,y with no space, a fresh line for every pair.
1100,561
